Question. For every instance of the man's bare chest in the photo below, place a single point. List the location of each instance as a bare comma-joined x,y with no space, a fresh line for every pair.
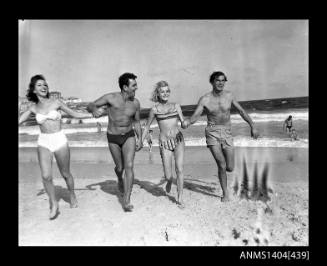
122,108
218,105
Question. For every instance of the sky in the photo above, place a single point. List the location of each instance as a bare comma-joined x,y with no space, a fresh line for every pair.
84,58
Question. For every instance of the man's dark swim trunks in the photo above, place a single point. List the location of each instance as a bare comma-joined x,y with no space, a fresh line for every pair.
120,139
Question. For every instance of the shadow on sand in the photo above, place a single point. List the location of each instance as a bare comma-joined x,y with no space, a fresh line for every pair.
189,183
154,189
110,187
207,189
61,193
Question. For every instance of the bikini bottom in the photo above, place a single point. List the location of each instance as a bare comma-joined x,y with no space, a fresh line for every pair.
52,141
171,143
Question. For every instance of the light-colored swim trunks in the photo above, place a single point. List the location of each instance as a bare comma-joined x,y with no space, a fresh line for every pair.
219,135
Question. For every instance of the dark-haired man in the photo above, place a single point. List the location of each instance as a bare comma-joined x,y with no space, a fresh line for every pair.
123,113
217,104
288,124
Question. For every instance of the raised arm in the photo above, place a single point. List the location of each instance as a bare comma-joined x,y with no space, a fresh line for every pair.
93,106
72,112
247,118
24,116
148,124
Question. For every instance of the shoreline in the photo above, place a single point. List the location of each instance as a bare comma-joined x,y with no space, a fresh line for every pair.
285,164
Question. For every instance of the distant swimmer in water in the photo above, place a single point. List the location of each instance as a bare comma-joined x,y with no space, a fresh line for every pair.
99,127
52,140
218,133
288,124
293,134
149,139
171,140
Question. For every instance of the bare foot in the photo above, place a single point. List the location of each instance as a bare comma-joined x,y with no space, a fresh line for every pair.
128,207
168,186
181,205
225,198
54,212
73,201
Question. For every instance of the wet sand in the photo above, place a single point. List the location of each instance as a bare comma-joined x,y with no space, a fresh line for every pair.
156,219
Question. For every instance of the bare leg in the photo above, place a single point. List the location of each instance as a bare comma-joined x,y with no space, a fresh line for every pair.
166,157
128,150
179,165
45,160
63,161
116,154
229,157
218,155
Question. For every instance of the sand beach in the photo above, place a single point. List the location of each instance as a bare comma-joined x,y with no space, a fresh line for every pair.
156,220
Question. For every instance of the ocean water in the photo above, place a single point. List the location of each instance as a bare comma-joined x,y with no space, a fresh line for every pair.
269,124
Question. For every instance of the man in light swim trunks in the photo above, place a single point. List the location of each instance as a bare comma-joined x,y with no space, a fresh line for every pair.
123,114
217,105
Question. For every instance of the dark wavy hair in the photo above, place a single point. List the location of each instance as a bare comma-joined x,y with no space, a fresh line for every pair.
124,79
31,96
216,74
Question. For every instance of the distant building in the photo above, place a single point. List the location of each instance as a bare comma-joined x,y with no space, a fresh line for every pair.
55,95
72,100
23,104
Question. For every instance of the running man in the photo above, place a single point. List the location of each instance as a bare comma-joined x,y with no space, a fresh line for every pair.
123,112
293,134
217,104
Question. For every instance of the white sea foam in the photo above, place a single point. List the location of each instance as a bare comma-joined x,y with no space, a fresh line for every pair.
235,119
239,141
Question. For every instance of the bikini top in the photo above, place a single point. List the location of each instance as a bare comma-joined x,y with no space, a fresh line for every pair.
170,114
53,115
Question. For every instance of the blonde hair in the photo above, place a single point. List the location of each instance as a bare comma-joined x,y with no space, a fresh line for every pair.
155,93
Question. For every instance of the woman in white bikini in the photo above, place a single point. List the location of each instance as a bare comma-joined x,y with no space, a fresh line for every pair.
52,140
171,141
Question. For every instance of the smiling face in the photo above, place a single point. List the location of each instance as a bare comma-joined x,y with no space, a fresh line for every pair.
219,83
130,89
41,88
164,93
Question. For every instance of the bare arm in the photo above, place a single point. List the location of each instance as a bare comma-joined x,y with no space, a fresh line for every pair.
284,125
93,106
137,125
148,124
196,115
24,116
243,114
72,112
180,113
198,111
247,118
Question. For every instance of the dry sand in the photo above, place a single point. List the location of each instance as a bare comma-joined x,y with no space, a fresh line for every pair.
156,220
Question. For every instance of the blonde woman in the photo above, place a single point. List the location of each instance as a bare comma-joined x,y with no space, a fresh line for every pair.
52,140
171,141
